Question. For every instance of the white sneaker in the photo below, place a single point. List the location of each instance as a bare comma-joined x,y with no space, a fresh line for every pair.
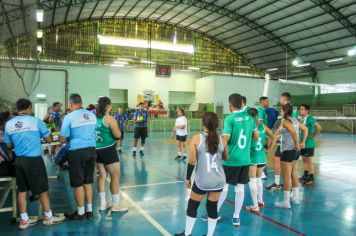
53,220
103,206
25,224
119,209
282,204
253,209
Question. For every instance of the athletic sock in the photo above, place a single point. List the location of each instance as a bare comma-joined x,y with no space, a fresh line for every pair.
239,199
185,154
253,190
277,179
295,193
189,224
286,196
142,148
48,214
134,149
24,216
115,199
179,154
102,198
222,197
89,207
81,210
211,226
259,189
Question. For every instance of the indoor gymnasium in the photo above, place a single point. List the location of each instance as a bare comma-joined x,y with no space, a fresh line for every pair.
177,117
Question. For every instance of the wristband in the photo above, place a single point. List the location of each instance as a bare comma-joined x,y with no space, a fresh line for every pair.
190,169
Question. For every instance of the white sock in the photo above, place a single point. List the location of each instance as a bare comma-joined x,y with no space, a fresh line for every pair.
223,196
185,154
239,199
102,198
259,189
253,190
115,199
81,210
211,226
189,224
142,148
89,207
286,196
134,149
24,216
48,214
179,154
119,148
277,179
295,193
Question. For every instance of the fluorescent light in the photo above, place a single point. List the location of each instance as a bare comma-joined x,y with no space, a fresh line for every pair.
39,95
147,62
295,62
121,62
39,15
300,83
247,67
117,65
186,70
39,48
193,68
124,59
351,52
84,53
334,59
142,43
303,65
39,33
272,69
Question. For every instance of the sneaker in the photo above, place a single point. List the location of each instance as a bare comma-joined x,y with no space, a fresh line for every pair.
177,157
53,220
134,153
75,216
282,204
309,182
119,209
181,234
141,153
303,178
236,221
261,204
25,224
184,158
253,209
295,200
89,215
274,188
205,218
103,206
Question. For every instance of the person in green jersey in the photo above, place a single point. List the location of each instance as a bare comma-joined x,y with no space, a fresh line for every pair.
276,186
239,130
107,132
258,162
307,152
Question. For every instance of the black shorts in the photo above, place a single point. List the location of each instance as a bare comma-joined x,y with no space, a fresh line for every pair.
181,138
258,165
278,152
141,133
197,190
107,155
237,174
290,155
81,164
31,175
307,152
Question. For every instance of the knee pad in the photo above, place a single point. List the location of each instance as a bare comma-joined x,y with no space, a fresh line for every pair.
212,209
192,208
253,183
240,188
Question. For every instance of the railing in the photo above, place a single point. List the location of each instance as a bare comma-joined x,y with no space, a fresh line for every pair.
332,113
348,124
349,109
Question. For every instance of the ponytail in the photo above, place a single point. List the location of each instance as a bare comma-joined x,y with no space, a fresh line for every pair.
211,122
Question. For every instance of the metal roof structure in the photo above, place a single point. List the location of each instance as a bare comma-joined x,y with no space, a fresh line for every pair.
265,32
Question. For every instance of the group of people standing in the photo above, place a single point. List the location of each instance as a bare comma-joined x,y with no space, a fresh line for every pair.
238,156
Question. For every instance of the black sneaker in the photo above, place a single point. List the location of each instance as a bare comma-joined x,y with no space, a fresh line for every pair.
309,182
181,234
184,158
274,187
75,216
178,157
303,178
141,153
89,215
134,153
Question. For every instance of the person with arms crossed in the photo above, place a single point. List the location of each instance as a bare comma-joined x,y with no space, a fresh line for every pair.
181,131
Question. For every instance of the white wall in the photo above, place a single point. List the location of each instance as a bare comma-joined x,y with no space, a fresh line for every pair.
205,90
177,97
137,80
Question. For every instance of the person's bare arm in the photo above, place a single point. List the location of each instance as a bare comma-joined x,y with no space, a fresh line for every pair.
62,139
48,139
317,130
192,159
255,135
225,155
304,130
114,127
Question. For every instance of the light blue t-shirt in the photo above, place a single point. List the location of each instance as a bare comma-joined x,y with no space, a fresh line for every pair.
24,132
79,127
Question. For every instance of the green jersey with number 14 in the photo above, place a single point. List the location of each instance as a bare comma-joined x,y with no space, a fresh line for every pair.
239,126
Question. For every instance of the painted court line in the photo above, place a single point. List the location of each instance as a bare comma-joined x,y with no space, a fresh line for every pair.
149,218
154,184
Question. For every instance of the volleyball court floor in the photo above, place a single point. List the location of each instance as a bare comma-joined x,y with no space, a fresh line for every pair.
153,189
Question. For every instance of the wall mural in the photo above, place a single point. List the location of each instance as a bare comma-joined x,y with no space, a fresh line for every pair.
150,99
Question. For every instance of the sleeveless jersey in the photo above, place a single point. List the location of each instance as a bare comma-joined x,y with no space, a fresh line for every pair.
104,136
287,142
258,153
209,173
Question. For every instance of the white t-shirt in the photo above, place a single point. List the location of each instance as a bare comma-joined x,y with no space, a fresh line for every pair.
181,121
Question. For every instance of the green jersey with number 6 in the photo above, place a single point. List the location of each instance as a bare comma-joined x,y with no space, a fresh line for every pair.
239,126
258,153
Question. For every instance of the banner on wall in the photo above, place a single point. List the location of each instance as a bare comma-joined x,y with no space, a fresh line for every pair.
149,99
